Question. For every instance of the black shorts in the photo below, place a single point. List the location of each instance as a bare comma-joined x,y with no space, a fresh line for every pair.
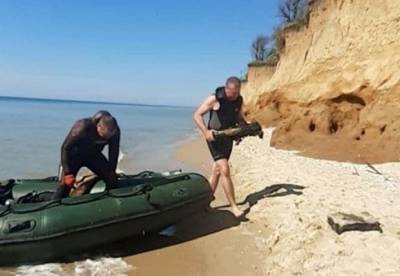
221,148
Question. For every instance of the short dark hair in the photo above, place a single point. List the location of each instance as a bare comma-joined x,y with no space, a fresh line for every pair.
109,122
100,114
233,80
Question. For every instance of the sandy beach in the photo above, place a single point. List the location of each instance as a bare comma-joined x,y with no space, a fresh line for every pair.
320,191
210,243
289,198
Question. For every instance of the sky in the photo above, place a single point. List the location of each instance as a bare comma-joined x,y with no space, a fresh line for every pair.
149,52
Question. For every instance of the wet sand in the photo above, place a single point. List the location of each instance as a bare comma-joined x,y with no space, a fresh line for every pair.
210,243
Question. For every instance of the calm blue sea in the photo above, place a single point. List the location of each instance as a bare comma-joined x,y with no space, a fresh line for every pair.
32,131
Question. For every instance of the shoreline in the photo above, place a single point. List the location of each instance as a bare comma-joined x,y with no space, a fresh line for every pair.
211,243
289,198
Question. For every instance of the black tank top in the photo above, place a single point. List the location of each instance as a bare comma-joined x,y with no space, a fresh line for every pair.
228,113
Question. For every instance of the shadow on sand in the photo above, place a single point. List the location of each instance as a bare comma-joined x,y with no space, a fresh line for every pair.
276,190
199,225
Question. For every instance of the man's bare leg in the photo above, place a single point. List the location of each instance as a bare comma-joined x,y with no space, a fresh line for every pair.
227,184
214,178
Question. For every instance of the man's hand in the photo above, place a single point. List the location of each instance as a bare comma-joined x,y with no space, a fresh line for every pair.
209,135
69,180
238,141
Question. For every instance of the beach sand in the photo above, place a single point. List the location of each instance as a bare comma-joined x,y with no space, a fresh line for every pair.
288,198
210,243
292,196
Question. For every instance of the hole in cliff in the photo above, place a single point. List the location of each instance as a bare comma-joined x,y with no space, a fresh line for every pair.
358,138
312,126
333,126
353,99
382,129
383,82
363,132
305,56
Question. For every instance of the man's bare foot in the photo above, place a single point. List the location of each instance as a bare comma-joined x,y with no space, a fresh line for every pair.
237,212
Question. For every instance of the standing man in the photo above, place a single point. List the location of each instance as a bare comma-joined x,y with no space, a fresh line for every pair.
83,147
225,108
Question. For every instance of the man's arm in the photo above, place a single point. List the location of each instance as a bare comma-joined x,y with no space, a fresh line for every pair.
241,118
74,136
205,107
113,150
241,121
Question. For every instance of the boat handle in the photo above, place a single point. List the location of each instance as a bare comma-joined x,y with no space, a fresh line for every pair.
155,205
19,226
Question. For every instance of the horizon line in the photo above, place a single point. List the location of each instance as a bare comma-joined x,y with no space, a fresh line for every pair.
91,102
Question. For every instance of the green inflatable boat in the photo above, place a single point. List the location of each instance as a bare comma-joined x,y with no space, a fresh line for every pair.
44,230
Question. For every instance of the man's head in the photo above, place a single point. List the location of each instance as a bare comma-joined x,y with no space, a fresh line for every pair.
232,88
96,117
106,126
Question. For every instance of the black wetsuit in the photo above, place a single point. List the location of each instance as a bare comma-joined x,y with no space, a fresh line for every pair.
226,116
83,148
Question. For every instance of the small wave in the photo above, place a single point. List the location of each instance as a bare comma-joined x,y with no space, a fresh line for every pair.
102,267
121,156
98,267
40,270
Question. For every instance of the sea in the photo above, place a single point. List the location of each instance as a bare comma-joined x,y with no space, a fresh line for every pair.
33,130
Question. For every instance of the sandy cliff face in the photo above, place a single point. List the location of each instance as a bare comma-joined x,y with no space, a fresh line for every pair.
336,90
256,76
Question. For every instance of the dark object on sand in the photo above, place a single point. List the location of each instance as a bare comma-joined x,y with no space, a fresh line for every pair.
252,129
341,222
34,229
